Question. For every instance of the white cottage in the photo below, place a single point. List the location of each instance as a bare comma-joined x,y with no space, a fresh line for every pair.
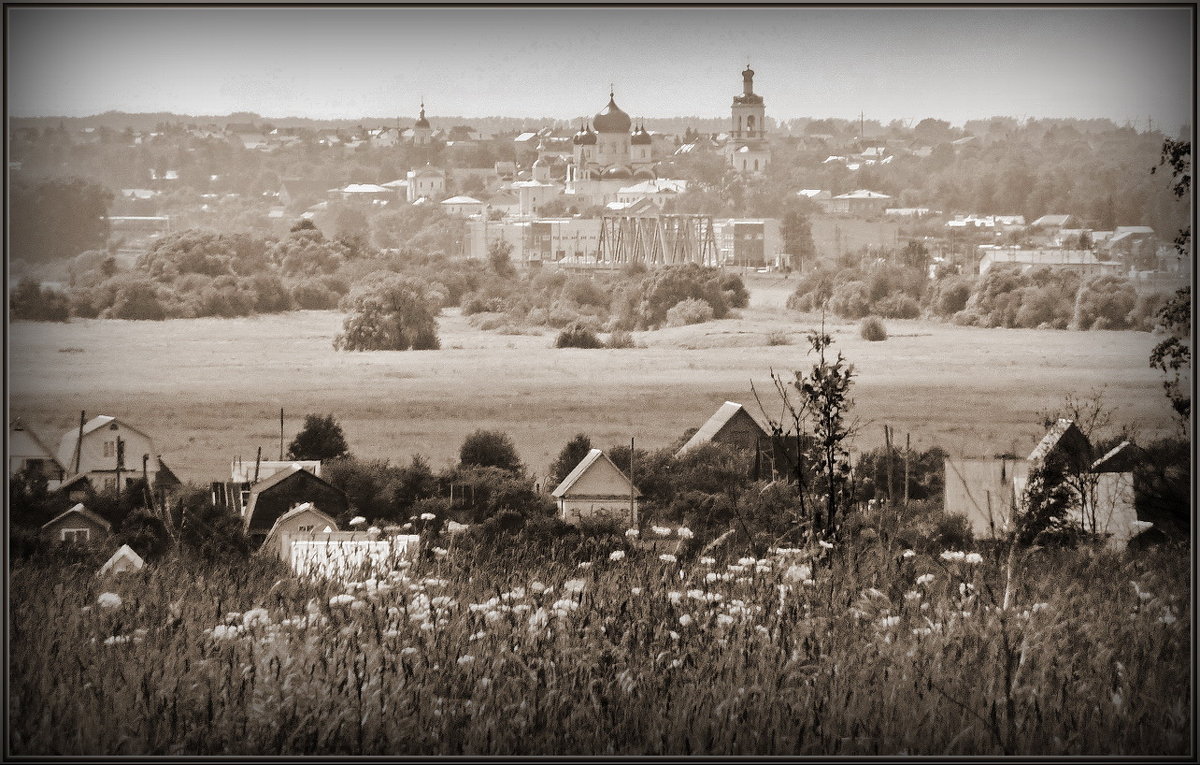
597,488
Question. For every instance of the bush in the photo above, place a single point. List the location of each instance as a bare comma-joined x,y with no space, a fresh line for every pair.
778,337
31,302
620,339
578,336
313,295
950,295
735,291
136,299
850,300
872,329
689,311
898,306
1105,302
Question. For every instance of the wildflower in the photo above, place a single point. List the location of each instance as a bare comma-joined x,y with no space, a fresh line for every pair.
924,579
889,621
358,520
965,588
724,620
434,582
912,595
736,568
626,681
427,516
707,561
585,564
109,600
341,600
711,576
661,531
1167,617
408,650
537,587
714,597
746,561
1142,594
85,609
1117,701
674,635
632,533
406,527
798,573
826,545
635,590
616,555
952,555
484,682
357,605
676,663
440,552
874,593
225,632
454,527
375,530
667,558
761,629
674,597
696,594
441,601
685,620
684,532
255,616
1039,607
564,606
908,554
426,626
492,616
466,659
973,558
574,585
539,620
117,639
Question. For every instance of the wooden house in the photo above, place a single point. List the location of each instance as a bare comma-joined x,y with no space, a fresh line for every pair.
109,455
78,525
275,496
596,489
734,426
27,452
301,519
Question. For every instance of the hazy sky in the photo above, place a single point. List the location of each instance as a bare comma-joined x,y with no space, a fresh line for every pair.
908,63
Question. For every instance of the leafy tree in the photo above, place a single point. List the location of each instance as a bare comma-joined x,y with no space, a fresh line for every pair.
391,313
31,302
500,258
146,533
570,456
1173,355
207,531
321,438
826,392
490,448
796,230
1046,504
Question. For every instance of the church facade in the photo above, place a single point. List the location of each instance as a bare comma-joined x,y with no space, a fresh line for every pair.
747,148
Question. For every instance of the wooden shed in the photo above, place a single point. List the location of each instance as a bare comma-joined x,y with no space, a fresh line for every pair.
78,525
734,426
301,519
283,491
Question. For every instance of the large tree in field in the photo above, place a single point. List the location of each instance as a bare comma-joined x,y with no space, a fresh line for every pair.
321,438
389,313
57,219
490,448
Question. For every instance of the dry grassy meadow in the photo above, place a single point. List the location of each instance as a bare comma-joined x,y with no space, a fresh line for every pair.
210,389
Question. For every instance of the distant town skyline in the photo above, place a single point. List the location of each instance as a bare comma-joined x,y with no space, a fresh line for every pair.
887,63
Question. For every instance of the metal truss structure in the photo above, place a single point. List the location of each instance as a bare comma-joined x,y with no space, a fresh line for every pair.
658,240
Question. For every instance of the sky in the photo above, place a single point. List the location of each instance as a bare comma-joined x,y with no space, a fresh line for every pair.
889,63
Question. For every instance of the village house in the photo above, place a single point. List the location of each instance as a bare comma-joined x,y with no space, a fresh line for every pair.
1084,262
597,489
861,203
78,525
110,454
271,498
462,206
27,452
425,183
989,492
124,560
301,519
734,426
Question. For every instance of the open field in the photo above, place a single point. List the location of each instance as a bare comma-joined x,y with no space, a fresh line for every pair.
211,389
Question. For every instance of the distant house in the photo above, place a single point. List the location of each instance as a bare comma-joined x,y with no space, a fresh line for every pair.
110,454
1055,221
462,205
365,191
302,519
733,425
1083,262
817,195
271,498
26,451
861,203
596,489
77,525
991,492
426,183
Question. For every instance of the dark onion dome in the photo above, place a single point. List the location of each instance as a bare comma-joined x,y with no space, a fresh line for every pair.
617,172
421,121
585,137
640,137
612,119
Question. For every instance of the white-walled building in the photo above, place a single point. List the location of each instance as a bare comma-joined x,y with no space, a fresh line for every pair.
426,183
597,489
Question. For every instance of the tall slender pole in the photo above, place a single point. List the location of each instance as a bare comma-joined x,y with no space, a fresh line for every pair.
632,501
281,434
79,441
120,455
257,462
907,449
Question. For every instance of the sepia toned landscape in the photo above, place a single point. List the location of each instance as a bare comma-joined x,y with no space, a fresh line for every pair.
599,381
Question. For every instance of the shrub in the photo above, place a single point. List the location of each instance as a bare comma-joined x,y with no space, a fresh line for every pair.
578,336
872,329
145,533
778,337
321,438
898,306
1105,302
689,311
950,296
850,300
136,299
735,291
312,294
620,339
31,302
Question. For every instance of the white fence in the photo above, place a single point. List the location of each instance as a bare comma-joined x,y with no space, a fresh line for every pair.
347,555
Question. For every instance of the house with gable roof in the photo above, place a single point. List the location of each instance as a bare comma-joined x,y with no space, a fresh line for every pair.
77,525
109,454
595,489
301,519
735,426
273,497
27,451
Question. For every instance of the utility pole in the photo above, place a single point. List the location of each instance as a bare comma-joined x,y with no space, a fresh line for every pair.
907,447
281,434
632,500
79,441
120,462
887,442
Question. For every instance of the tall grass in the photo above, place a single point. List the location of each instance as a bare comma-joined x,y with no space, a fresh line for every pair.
813,652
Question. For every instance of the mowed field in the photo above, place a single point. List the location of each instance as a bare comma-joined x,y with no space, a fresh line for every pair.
209,390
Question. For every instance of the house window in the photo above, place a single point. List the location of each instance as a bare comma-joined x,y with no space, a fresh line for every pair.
110,448
75,535
309,527
110,483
